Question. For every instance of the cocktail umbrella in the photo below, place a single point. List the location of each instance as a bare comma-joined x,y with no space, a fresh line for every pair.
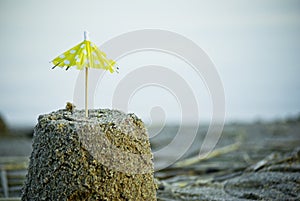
83,56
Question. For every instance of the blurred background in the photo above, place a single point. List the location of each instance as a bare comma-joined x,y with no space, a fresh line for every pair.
254,45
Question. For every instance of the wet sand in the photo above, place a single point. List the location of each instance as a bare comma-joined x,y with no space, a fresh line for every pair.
251,161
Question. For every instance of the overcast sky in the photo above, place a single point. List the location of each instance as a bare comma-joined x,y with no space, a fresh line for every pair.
254,45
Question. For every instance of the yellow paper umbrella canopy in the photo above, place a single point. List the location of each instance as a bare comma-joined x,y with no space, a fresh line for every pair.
85,54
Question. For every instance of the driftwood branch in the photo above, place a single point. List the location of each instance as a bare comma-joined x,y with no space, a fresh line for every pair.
212,154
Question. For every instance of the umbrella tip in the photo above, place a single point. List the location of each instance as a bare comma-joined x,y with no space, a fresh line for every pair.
86,35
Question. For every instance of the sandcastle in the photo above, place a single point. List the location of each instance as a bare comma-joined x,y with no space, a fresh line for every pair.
104,157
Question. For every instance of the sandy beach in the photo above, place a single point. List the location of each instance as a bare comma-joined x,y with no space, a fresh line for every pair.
263,154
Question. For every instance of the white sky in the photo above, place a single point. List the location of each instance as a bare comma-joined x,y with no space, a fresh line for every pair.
254,44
